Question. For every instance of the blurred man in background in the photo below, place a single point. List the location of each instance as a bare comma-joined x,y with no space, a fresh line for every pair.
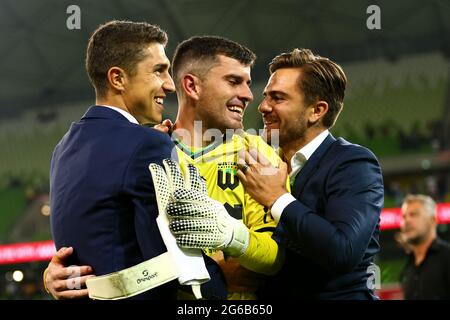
427,271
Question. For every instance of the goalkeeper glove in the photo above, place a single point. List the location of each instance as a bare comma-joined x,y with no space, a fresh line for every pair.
197,221
165,182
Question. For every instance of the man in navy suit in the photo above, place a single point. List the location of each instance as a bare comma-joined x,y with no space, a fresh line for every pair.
101,193
329,225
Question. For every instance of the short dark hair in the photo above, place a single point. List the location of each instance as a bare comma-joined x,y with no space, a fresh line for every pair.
120,44
202,52
321,79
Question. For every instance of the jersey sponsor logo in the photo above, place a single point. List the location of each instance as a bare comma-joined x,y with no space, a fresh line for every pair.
226,175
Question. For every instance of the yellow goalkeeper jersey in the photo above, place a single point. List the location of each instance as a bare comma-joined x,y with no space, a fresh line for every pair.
217,164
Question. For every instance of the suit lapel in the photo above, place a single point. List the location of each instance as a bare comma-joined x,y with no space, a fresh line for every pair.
311,166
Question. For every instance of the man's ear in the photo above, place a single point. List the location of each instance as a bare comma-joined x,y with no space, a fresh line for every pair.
190,86
117,78
318,111
434,221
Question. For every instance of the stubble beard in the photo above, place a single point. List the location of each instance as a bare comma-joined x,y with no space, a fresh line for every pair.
418,239
293,133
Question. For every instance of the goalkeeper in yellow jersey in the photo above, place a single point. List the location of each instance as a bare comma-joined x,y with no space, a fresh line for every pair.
212,78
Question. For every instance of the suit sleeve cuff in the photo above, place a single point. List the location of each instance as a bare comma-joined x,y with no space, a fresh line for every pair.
279,205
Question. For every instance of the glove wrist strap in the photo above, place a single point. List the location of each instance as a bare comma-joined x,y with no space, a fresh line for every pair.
134,280
239,240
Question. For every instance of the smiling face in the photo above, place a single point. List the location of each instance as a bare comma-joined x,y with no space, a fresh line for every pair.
224,93
144,92
283,107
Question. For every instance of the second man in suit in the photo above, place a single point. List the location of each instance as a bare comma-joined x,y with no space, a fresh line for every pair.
329,225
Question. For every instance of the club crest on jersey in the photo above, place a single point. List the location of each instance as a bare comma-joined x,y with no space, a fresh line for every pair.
226,175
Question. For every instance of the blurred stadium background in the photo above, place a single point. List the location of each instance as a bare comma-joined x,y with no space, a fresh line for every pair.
398,100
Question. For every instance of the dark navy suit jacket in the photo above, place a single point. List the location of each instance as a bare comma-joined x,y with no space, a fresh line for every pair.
103,201
101,193
331,231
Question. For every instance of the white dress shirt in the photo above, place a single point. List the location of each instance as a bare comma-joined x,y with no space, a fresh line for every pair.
297,162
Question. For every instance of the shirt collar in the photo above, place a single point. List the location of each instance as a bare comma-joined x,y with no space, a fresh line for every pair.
124,113
436,245
302,155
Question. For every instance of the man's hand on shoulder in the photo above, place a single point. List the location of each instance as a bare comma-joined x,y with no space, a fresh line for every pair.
164,126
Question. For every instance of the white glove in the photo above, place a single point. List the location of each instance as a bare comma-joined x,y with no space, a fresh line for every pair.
197,221
189,262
